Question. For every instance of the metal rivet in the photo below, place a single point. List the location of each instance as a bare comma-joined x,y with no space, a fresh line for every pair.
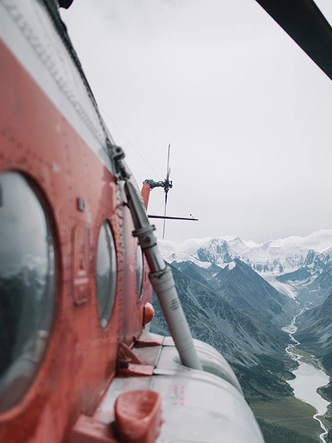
80,204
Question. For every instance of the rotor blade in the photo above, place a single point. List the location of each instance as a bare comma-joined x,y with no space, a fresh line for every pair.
307,26
165,208
168,174
168,170
168,217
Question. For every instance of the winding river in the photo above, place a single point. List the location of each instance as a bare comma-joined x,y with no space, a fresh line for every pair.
308,378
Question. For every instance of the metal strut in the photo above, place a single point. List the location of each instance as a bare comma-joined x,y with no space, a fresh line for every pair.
160,184
161,276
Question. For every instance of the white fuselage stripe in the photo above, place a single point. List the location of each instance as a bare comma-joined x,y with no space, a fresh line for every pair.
26,30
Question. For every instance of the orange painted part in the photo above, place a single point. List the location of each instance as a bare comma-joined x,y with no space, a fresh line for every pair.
90,430
130,365
147,343
148,313
145,192
136,370
126,355
80,360
138,416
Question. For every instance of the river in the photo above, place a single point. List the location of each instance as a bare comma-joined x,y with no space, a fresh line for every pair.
309,377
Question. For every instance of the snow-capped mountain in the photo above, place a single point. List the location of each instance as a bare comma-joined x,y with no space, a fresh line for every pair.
240,314
237,295
264,258
275,256
291,265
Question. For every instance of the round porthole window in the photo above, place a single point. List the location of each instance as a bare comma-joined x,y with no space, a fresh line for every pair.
139,270
27,286
106,273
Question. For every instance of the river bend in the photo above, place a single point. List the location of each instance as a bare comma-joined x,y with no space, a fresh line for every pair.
308,378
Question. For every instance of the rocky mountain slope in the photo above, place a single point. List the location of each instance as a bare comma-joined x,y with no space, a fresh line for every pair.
244,289
237,335
315,330
254,344
238,294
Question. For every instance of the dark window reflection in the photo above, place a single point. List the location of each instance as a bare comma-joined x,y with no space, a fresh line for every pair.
26,286
139,269
106,273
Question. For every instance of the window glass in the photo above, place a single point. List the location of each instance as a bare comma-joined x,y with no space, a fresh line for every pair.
106,273
139,269
26,286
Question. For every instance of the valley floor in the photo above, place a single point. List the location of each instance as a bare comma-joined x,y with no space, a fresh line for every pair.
287,420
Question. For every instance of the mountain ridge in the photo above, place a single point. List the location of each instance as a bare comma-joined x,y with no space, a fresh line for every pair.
292,265
214,319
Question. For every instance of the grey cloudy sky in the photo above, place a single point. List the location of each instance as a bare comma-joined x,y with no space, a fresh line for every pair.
247,113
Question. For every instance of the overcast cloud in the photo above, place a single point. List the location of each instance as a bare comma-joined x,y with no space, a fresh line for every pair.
247,113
